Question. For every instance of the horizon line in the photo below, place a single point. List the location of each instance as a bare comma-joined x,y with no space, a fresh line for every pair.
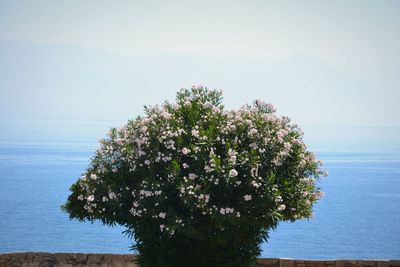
125,120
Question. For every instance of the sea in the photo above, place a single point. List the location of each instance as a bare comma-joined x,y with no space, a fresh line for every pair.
359,217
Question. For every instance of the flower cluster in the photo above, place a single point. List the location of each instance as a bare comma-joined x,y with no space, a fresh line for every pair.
193,159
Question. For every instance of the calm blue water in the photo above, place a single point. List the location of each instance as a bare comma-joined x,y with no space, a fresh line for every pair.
358,218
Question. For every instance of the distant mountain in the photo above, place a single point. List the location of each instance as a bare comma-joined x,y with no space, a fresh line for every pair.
70,82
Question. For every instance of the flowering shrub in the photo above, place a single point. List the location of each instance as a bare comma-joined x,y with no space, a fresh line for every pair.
197,185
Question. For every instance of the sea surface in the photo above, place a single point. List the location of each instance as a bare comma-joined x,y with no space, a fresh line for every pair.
358,218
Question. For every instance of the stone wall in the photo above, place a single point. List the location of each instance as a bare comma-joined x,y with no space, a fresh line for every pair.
33,259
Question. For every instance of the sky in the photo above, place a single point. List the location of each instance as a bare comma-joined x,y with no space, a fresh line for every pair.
319,62
357,36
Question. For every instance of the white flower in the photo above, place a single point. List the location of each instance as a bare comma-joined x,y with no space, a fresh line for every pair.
233,173
253,131
281,207
185,151
222,211
90,198
162,215
162,226
229,210
232,156
185,165
93,176
247,197
147,162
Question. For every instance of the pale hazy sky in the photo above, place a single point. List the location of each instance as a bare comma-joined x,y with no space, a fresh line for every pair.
320,62
358,36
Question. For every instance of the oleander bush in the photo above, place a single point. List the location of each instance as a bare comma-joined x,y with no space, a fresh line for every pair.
198,185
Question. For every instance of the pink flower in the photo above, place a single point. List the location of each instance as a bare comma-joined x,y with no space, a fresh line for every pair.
192,176
233,173
195,133
119,141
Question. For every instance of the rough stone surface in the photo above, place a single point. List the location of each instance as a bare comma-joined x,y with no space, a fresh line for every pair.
40,259
268,262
